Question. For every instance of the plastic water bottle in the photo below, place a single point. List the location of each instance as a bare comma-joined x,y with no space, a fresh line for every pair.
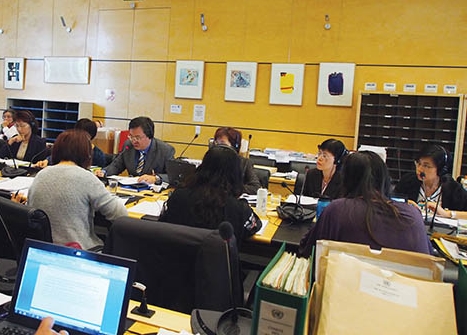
261,201
322,202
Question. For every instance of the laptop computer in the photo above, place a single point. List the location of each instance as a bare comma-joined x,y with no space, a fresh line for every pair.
178,170
85,292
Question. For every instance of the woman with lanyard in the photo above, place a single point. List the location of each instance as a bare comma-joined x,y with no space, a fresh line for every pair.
432,182
325,179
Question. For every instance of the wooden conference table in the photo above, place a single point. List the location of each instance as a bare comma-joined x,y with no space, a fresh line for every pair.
163,318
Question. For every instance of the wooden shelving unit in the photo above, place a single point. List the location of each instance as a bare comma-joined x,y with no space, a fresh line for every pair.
53,116
403,123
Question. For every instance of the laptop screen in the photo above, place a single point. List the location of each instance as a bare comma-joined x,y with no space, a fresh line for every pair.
84,292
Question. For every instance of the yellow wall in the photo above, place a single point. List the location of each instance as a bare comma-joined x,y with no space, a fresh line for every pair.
133,51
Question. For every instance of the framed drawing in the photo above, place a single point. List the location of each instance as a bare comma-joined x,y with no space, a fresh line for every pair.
335,85
286,84
66,70
14,73
240,81
189,79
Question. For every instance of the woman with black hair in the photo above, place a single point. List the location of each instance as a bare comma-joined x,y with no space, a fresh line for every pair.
325,179
27,145
211,196
432,182
366,214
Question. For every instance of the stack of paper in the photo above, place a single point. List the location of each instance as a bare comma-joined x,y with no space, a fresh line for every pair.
289,274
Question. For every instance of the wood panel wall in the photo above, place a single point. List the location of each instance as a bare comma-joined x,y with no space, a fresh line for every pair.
134,45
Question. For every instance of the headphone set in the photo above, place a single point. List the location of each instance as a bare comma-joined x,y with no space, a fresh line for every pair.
237,141
445,169
344,153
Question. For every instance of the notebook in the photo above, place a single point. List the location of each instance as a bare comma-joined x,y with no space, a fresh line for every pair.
178,170
85,292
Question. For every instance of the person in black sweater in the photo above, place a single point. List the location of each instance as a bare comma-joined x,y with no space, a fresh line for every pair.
325,180
211,196
432,181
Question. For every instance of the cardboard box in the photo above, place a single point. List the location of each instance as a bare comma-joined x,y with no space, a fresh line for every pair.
361,298
277,312
105,139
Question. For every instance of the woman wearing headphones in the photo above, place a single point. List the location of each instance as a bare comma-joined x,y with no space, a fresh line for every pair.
325,179
233,138
27,145
432,182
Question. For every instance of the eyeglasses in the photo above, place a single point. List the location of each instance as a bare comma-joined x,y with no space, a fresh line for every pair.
21,125
323,155
425,166
136,138
7,116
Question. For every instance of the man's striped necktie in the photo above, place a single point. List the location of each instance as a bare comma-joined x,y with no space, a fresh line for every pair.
139,167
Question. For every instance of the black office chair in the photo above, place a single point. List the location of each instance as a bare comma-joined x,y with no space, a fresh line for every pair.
299,183
182,267
300,166
263,176
262,160
19,222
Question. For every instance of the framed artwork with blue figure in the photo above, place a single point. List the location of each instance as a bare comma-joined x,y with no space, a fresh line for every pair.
240,81
335,86
189,78
14,73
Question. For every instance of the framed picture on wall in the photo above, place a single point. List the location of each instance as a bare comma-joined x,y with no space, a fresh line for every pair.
335,85
14,73
189,77
240,81
286,84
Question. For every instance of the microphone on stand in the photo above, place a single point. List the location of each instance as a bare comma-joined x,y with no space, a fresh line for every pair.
37,155
249,145
422,175
189,144
303,184
284,185
226,232
9,171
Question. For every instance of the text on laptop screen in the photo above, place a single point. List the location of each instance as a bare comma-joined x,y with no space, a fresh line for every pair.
79,293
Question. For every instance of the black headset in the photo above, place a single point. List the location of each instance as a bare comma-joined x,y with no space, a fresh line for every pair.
445,169
238,141
344,153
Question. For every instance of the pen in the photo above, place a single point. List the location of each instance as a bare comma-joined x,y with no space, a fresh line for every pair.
16,193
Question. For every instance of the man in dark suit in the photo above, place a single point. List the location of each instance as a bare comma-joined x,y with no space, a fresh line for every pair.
142,154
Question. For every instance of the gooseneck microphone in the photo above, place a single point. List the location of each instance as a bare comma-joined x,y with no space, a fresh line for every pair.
226,232
9,171
189,144
303,184
422,175
37,155
284,185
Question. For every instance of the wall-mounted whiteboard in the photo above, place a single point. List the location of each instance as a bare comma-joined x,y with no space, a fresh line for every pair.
66,70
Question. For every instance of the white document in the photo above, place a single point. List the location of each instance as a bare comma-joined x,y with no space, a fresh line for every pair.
125,180
18,162
261,231
147,207
16,184
304,200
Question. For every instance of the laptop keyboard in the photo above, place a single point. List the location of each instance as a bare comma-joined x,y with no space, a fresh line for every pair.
11,330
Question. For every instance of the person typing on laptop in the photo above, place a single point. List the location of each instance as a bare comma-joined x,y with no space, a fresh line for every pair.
143,155
45,328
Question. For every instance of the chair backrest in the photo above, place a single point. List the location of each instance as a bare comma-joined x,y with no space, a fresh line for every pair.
263,176
300,167
182,267
261,160
22,221
299,183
